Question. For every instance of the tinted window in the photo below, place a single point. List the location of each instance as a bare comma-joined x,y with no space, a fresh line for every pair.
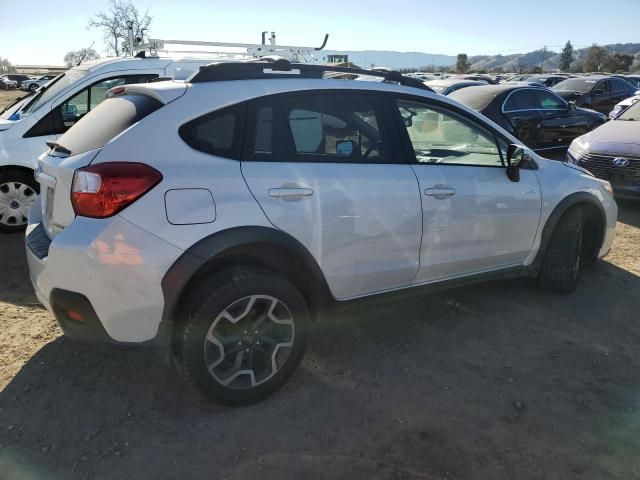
604,86
334,128
521,100
618,85
438,136
110,118
216,133
548,101
576,85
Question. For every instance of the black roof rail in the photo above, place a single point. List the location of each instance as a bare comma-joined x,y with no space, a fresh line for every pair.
273,67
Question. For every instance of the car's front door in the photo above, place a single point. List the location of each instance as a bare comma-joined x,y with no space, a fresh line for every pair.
560,123
474,218
323,169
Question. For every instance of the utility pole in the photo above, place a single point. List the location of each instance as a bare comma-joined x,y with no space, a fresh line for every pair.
544,52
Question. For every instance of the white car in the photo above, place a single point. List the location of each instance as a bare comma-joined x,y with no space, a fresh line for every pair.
624,104
52,110
217,217
6,83
35,83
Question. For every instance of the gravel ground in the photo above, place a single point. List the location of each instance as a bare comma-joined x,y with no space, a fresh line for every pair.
493,381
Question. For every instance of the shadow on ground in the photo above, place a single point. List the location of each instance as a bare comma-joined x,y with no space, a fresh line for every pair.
494,381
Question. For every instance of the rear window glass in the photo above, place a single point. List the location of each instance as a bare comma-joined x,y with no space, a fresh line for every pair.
106,121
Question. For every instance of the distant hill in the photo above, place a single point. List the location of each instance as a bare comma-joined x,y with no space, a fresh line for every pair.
382,58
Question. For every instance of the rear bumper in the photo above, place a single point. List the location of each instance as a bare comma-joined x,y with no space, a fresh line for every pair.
116,267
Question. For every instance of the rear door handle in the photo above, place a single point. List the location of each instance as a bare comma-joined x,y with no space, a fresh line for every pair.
440,191
290,193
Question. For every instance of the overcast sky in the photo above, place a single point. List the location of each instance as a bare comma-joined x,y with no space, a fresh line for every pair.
41,32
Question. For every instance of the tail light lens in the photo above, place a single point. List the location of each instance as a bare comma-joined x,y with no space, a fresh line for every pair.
102,190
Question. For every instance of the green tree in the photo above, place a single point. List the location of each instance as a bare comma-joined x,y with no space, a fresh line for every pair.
596,59
113,23
566,57
462,63
618,62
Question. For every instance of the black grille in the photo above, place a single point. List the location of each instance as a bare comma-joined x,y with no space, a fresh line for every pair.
38,242
602,166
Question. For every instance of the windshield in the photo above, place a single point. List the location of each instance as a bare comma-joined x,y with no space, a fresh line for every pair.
576,85
632,113
56,86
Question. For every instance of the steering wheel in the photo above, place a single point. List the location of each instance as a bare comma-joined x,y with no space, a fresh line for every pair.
375,145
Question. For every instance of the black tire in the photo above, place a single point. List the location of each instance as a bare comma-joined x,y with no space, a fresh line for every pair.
9,221
562,260
204,309
33,87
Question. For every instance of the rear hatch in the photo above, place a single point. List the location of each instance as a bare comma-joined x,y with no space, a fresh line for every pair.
80,145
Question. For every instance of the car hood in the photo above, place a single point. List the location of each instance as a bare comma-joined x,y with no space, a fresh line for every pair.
568,94
616,137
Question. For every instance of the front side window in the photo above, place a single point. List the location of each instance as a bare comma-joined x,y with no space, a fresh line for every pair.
334,128
602,87
548,101
63,117
439,136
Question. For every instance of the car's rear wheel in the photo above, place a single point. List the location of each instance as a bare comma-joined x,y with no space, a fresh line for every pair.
18,190
562,260
245,333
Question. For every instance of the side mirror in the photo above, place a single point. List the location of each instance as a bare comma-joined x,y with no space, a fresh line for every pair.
515,153
572,106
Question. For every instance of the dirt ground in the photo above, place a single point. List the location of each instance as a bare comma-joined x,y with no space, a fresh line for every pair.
494,381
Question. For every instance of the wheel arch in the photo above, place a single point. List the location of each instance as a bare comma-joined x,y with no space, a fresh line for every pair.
20,168
257,246
595,227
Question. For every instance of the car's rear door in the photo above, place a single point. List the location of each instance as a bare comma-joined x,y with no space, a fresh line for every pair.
601,97
322,166
474,218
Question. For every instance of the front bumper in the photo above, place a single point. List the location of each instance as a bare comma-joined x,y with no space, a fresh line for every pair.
116,266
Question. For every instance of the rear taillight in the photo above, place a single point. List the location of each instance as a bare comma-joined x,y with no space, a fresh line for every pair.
102,190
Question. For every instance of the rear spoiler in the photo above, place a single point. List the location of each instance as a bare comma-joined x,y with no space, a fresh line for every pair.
163,92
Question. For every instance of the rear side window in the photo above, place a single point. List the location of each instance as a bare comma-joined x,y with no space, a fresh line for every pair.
217,133
521,100
107,120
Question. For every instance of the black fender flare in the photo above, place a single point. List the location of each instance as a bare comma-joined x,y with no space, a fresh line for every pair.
192,260
559,210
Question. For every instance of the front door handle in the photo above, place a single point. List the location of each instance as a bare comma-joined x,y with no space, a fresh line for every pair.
440,191
290,193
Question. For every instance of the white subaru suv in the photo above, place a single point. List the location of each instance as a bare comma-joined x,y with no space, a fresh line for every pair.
217,217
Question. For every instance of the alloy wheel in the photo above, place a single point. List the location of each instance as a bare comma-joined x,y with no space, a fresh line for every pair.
249,342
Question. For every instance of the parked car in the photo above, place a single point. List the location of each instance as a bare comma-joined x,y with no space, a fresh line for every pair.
446,86
537,116
53,109
6,83
480,78
217,217
546,80
598,93
632,79
17,78
612,152
32,85
623,105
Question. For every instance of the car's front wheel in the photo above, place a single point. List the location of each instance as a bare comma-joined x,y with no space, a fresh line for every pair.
245,333
562,259
18,190
33,87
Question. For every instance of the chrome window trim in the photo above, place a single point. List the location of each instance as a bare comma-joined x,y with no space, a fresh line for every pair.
534,109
